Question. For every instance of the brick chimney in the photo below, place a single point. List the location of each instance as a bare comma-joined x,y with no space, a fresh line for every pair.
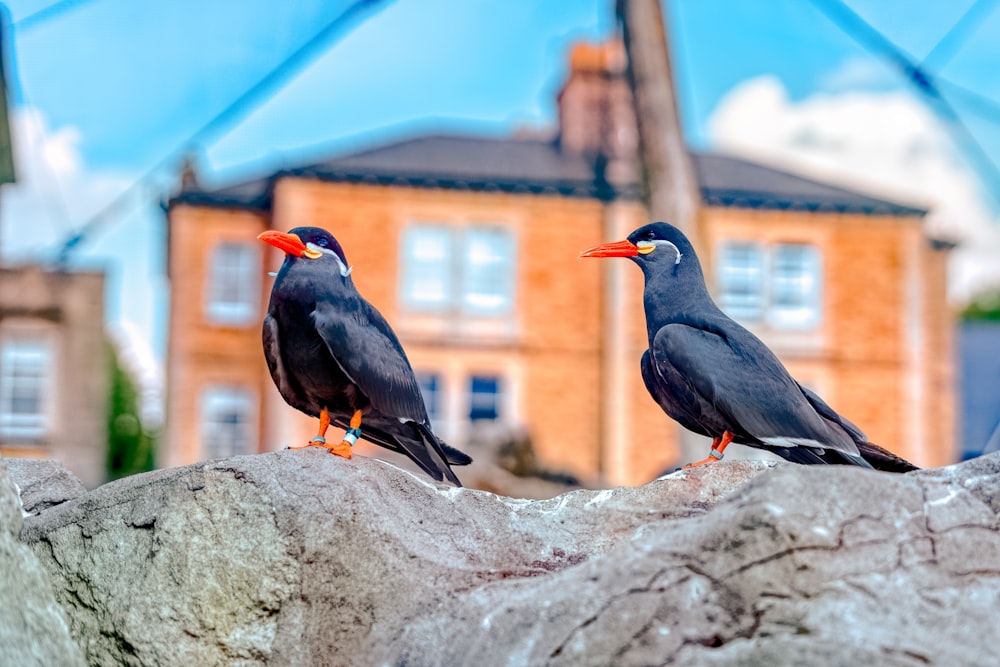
596,116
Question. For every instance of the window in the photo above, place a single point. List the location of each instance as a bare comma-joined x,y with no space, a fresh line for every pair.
25,385
741,280
227,426
779,284
458,270
484,398
488,271
795,279
426,271
431,390
234,285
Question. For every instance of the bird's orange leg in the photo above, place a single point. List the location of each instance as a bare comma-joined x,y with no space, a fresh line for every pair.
718,449
320,439
343,448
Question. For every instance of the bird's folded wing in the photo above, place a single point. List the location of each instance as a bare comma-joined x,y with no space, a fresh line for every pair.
369,353
747,385
272,355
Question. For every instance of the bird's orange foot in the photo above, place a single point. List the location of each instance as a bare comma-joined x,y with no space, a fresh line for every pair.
718,451
315,442
343,448
713,456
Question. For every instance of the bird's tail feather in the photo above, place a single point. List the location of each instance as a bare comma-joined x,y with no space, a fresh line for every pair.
882,459
427,452
453,456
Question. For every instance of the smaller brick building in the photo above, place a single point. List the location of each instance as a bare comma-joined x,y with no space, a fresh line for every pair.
54,369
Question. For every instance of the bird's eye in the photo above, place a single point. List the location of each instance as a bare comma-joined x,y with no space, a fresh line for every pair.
322,242
649,235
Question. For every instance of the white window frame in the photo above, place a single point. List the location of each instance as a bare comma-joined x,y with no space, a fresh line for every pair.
220,399
233,290
33,427
489,267
804,285
804,314
749,302
473,273
427,273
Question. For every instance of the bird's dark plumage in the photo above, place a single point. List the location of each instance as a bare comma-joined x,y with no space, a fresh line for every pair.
328,348
713,376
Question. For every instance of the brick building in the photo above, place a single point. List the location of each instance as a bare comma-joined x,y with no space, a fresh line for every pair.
54,369
469,247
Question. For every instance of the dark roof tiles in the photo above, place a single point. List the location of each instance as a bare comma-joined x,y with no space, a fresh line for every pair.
531,166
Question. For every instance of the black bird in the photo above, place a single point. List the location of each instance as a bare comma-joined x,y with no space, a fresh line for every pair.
333,356
716,378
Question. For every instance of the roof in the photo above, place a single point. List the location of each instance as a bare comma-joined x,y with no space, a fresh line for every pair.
534,166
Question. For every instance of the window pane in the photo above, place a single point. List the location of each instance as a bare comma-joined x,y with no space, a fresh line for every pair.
234,284
488,270
24,386
227,421
430,389
427,267
795,286
741,280
484,397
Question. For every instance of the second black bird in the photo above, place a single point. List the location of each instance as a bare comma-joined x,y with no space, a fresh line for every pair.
716,378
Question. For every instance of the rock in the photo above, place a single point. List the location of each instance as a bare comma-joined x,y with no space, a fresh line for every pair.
303,558
33,630
43,483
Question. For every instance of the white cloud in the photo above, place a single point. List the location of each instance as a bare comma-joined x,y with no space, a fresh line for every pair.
54,195
885,144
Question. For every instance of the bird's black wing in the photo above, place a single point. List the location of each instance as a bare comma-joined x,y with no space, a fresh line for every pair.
673,395
369,352
276,366
749,387
364,345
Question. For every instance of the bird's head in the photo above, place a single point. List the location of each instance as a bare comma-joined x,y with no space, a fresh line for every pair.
309,243
675,285
654,247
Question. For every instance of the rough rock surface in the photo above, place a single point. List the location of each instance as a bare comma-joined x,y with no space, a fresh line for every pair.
32,628
304,558
43,483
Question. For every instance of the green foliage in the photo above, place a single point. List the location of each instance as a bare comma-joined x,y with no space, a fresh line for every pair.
131,448
984,307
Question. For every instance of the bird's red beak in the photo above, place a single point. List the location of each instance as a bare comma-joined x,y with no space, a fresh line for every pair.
289,243
616,249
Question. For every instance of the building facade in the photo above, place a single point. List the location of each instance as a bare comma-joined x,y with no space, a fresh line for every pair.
469,247
54,369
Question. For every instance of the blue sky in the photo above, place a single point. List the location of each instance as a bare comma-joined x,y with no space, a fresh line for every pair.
106,89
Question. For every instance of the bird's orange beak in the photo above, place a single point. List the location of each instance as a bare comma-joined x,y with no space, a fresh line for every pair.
615,249
289,243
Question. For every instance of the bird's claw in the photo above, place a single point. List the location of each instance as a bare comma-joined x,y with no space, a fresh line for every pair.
341,449
713,456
